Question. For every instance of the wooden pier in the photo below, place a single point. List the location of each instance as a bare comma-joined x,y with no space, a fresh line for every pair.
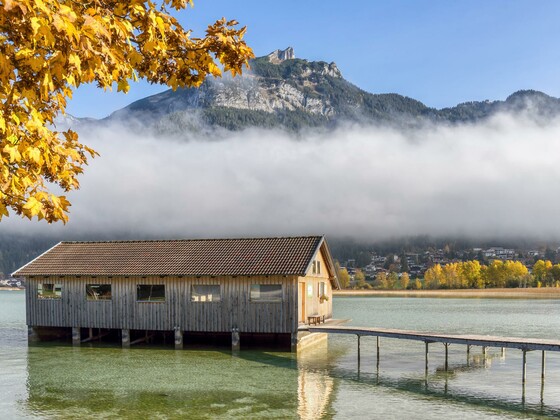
484,341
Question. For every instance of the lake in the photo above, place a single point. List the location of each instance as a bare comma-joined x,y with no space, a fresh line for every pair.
104,381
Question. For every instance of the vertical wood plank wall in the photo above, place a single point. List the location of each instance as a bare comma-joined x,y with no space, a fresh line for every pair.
313,305
178,311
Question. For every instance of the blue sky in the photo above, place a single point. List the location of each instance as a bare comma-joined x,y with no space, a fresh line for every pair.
440,52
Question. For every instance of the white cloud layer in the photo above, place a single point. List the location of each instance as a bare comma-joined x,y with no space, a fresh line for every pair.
497,179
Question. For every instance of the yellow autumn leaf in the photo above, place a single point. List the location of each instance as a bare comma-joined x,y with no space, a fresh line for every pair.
51,47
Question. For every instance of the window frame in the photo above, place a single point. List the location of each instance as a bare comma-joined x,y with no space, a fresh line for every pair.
322,289
219,286
54,296
138,285
110,298
259,300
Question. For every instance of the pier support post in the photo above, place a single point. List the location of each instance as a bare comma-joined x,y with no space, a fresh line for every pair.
503,352
543,361
468,355
125,338
426,361
32,335
235,340
446,355
359,350
76,336
484,351
524,376
178,338
294,341
377,350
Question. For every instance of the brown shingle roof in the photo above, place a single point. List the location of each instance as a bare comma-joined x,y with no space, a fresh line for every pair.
202,257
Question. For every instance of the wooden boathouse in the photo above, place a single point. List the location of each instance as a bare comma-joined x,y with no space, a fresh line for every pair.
238,288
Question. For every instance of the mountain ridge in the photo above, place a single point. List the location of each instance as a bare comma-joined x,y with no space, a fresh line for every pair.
282,91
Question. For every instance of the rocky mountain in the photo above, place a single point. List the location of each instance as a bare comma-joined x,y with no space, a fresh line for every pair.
283,91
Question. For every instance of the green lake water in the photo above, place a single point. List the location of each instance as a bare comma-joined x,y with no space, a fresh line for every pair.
105,381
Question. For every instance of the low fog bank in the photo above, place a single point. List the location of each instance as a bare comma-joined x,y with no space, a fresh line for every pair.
491,180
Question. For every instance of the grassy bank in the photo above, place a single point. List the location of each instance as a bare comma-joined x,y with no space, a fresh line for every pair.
531,293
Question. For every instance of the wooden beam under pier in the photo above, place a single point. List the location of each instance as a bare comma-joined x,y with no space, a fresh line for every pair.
527,344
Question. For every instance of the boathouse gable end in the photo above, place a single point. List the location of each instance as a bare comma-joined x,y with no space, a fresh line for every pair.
246,285
315,288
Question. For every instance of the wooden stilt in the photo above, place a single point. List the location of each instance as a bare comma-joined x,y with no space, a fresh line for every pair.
32,335
358,350
543,365
125,338
377,349
426,364
484,351
76,336
446,355
235,340
524,380
468,355
294,342
178,339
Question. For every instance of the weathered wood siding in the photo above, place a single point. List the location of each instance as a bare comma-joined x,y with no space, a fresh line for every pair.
178,311
313,306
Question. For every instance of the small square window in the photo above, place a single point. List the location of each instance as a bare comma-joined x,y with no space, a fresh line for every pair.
322,289
98,292
266,292
150,293
310,290
205,293
318,267
49,291
314,267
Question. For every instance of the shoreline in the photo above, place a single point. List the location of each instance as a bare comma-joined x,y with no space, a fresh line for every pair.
502,293
12,289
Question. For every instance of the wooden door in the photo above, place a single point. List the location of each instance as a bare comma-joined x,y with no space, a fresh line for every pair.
301,302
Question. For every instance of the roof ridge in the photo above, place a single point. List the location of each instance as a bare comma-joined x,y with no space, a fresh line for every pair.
193,240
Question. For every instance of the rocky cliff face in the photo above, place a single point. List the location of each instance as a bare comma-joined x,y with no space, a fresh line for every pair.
281,90
276,82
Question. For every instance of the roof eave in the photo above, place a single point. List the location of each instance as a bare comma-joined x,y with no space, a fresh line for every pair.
18,272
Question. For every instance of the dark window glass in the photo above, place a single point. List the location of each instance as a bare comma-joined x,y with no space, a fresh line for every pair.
98,291
49,291
150,293
266,292
205,293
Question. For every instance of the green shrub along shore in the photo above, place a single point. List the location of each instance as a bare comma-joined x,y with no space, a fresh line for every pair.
460,275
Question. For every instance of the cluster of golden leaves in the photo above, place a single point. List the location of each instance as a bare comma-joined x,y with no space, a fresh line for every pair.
50,47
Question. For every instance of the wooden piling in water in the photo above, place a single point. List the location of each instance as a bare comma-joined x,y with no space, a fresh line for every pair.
426,365
446,355
125,338
524,376
76,336
178,339
235,340
359,350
